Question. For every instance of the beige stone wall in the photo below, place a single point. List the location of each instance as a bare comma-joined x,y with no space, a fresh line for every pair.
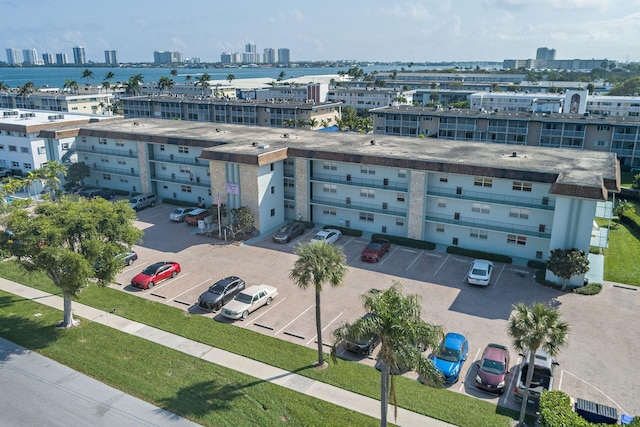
302,195
218,177
415,217
250,191
143,166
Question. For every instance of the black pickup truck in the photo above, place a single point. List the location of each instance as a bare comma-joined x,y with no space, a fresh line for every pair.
543,371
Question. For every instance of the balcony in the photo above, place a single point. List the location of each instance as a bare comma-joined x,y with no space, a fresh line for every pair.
357,206
624,136
197,182
115,171
182,160
489,225
622,151
80,148
361,182
526,202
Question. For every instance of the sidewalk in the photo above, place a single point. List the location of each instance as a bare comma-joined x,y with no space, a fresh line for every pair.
310,387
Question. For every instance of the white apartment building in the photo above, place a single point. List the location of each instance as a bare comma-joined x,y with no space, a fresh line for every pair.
367,98
615,106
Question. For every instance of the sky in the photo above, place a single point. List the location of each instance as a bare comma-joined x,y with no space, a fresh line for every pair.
362,30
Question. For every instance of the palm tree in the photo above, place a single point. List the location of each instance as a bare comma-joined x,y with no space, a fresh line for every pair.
230,78
165,83
324,123
87,74
203,81
281,76
394,319
318,263
52,173
109,76
533,327
187,79
173,73
26,89
72,85
313,122
132,86
3,87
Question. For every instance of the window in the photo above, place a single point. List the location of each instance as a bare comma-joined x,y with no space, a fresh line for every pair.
15,164
601,143
102,141
440,228
400,197
162,148
119,143
13,148
444,179
476,233
84,139
481,181
42,150
519,213
399,222
273,189
538,254
368,192
25,150
329,211
183,149
442,203
27,166
64,146
367,169
522,186
366,216
271,167
481,208
273,212
402,173
542,228
604,127
329,188
185,188
106,177
330,166
516,240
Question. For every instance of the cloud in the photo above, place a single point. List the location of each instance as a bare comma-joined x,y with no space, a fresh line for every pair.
406,11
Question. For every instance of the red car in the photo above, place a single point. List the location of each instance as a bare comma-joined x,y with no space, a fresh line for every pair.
375,249
493,369
155,273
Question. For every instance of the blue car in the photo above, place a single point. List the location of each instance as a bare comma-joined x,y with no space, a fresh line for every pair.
450,355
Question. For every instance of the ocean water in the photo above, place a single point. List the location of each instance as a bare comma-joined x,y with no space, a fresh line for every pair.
56,76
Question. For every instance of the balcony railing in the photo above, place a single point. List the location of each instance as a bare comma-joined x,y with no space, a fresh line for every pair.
527,202
107,152
622,151
182,160
115,171
196,181
361,182
489,225
358,206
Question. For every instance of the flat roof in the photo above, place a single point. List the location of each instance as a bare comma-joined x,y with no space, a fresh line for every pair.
578,173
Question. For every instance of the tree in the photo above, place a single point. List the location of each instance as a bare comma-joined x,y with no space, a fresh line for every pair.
109,76
629,87
203,81
281,76
173,73
395,319
3,87
66,240
76,173
72,85
624,208
566,263
187,79
230,78
87,74
379,83
313,122
26,89
165,83
318,264
52,173
132,86
324,123
533,327
242,218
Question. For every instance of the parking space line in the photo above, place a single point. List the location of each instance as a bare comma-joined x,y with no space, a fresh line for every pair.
188,290
323,329
597,389
350,240
408,250
443,262
390,253
272,306
297,317
165,283
508,392
495,282
414,261
433,254
462,383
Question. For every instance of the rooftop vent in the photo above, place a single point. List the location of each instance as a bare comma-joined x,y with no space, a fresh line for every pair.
286,135
373,142
136,123
218,130
263,145
514,154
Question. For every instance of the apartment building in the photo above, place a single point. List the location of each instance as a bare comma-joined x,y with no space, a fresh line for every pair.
518,201
271,113
56,100
28,138
79,56
363,99
584,132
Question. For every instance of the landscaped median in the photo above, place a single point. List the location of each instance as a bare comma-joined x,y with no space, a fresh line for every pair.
199,390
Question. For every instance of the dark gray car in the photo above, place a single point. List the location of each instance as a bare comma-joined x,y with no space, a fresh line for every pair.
220,293
288,232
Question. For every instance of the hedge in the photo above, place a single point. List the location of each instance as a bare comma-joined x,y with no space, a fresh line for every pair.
346,231
556,411
405,241
456,250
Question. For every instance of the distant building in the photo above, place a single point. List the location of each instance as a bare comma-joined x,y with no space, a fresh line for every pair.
269,56
545,54
546,59
167,57
61,59
111,57
87,101
250,56
30,56
78,55
227,58
47,58
284,56
14,56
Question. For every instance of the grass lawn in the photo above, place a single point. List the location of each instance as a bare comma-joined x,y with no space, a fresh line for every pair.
442,404
622,257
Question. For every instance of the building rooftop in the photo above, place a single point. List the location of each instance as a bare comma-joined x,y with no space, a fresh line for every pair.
213,100
33,121
578,173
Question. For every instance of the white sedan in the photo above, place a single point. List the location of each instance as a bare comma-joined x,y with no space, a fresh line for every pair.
480,272
249,300
329,235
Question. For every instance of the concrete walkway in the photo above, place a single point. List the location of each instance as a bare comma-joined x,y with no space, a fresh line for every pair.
308,386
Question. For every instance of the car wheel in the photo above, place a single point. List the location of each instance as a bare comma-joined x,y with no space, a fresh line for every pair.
174,274
370,350
129,262
219,306
245,314
153,204
269,300
150,285
377,258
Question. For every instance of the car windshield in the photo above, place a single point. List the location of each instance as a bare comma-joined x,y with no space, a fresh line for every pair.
479,272
316,237
178,211
285,229
216,289
151,270
448,354
244,298
492,366
134,200
376,246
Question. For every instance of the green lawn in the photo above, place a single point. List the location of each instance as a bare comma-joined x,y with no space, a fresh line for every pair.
442,404
622,257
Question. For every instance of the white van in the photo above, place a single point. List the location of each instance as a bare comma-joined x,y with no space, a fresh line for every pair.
142,201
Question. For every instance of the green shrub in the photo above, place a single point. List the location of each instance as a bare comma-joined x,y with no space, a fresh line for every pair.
177,202
456,250
556,411
345,231
307,224
405,241
590,289
536,264
595,250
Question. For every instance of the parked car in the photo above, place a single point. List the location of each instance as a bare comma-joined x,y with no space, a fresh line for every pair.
543,373
249,300
155,274
375,249
220,293
328,235
288,232
88,193
450,356
197,214
143,201
362,345
480,272
105,193
493,368
179,214
4,172
128,258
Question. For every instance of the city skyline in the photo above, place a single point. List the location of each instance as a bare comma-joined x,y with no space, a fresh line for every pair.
418,31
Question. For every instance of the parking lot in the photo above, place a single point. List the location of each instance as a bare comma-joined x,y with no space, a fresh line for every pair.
598,364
